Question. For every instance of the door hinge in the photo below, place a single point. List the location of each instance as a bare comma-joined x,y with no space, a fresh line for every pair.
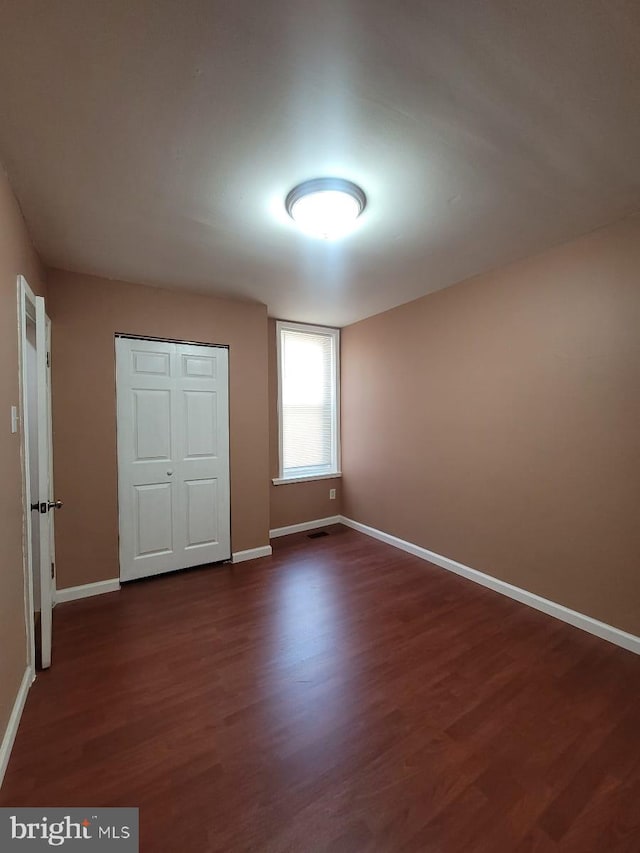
48,359
53,570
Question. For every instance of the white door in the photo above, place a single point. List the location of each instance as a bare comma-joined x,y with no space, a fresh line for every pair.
45,481
38,460
53,503
173,456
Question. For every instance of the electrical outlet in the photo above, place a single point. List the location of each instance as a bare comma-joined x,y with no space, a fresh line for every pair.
332,494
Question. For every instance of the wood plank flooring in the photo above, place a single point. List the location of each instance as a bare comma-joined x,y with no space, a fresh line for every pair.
338,696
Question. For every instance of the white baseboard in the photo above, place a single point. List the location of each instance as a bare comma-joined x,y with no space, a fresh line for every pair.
251,554
14,722
85,590
305,525
559,611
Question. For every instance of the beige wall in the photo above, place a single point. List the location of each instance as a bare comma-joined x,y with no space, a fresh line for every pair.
294,503
17,256
86,313
497,422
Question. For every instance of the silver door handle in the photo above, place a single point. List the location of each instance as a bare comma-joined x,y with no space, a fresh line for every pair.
55,505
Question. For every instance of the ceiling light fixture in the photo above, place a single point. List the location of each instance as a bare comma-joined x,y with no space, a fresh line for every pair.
326,207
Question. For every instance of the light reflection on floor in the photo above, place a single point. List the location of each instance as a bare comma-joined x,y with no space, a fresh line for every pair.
309,650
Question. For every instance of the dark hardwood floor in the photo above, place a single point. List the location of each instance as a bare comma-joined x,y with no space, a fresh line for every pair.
339,696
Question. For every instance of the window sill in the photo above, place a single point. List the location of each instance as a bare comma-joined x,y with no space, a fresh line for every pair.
281,481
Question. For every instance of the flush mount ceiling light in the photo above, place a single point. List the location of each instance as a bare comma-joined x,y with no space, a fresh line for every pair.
326,207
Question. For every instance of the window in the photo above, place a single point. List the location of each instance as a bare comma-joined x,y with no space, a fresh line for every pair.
308,401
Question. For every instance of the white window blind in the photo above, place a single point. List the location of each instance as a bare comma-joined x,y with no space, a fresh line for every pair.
308,400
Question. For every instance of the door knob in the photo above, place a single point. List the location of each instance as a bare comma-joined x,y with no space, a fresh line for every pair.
169,473
45,506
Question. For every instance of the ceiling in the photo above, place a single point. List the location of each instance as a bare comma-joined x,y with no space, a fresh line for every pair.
156,140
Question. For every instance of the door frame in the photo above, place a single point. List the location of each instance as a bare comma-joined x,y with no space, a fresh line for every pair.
27,311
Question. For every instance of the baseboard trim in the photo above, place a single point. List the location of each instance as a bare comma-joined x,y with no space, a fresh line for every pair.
551,608
14,721
86,590
251,554
304,525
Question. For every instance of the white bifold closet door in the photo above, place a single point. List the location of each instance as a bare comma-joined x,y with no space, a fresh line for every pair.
173,456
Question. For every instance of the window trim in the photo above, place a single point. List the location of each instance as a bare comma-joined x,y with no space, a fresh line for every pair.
305,478
336,468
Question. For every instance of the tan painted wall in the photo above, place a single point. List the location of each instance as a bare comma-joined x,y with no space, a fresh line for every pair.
86,313
497,422
17,256
294,503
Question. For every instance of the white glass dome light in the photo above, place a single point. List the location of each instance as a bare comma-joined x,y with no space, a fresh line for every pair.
326,207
